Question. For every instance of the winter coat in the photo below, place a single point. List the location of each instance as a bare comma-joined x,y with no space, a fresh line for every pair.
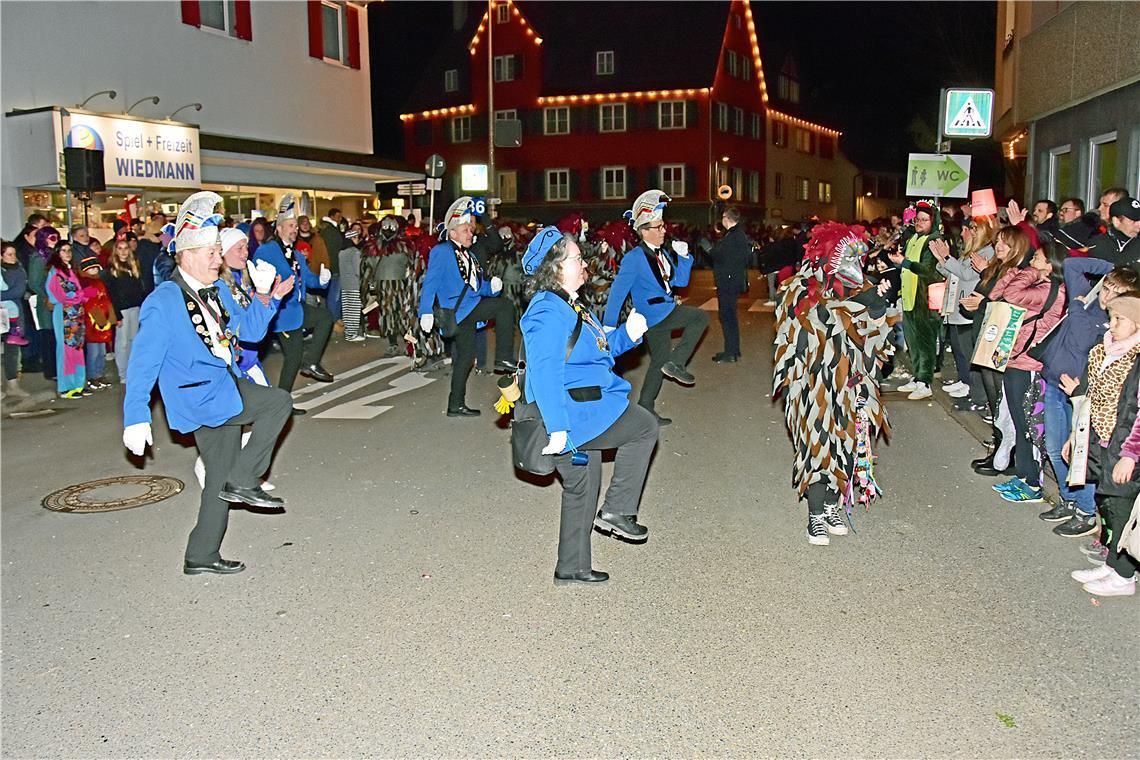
1026,289
968,278
1068,349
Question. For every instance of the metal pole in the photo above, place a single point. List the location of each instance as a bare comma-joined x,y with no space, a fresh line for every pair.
492,185
431,208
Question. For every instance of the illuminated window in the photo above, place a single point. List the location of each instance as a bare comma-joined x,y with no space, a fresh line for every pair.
803,141
613,183
557,184
672,178
611,117
824,192
671,114
502,13
556,120
803,188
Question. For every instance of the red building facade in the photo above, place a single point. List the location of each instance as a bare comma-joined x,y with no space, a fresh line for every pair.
604,121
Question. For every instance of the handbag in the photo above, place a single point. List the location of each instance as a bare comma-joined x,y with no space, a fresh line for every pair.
528,431
445,320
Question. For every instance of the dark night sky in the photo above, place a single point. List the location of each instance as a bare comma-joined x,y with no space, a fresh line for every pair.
868,68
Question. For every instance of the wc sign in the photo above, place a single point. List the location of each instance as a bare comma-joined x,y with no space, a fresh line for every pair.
939,174
967,113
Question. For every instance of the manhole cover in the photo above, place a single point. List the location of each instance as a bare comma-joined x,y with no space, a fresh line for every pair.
117,493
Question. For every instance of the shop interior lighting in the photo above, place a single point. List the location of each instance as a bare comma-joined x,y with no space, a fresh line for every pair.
195,106
152,98
109,93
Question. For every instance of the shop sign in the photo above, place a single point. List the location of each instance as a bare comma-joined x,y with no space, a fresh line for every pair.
138,153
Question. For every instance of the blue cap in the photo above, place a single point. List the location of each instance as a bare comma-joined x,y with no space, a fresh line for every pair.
540,245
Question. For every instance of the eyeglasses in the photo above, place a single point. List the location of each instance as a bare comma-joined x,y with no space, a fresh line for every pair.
1067,209
655,227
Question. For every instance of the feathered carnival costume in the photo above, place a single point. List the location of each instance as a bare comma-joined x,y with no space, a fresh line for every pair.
831,340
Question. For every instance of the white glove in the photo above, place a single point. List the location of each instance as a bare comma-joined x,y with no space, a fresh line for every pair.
136,437
262,273
635,325
557,443
496,285
681,248
325,275
427,321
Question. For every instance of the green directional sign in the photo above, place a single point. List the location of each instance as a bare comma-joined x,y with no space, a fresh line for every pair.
967,113
938,174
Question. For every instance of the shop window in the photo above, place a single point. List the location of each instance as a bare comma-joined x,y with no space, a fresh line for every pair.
461,129
1102,164
611,117
604,62
557,184
451,80
229,17
508,184
671,114
613,183
504,68
556,120
672,178
334,32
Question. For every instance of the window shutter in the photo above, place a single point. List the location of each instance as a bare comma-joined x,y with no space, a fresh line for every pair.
652,115
352,18
692,114
316,35
478,126
596,183
191,14
243,20
575,184
593,118
690,182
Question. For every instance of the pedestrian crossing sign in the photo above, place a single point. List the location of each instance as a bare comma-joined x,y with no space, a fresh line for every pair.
967,113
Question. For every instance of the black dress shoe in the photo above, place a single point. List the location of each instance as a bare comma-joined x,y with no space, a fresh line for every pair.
505,368
463,411
986,461
298,412
221,567
255,497
620,525
318,373
662,421
723,358
990,472
675,371
582,576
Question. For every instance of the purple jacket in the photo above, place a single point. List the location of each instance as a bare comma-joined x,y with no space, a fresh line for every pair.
1068,350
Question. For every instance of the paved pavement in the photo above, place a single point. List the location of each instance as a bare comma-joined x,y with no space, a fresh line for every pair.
403,605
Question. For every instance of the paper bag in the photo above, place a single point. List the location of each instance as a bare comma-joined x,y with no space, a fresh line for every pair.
998,335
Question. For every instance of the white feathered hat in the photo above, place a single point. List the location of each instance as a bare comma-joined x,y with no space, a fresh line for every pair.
460,212
197,224
287,209
648,208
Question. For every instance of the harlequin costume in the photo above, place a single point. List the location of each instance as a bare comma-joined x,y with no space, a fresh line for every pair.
831,340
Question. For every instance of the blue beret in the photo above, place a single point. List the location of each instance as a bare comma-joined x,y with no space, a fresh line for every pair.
540,245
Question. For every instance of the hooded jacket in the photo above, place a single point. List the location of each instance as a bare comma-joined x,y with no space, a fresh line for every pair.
1068,349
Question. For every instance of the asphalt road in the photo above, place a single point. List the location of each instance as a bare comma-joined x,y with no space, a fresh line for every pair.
402,606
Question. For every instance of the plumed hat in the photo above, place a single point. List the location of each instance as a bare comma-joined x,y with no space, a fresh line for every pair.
231,237
648,208
837,250
288,208
197,224
462,211
539,246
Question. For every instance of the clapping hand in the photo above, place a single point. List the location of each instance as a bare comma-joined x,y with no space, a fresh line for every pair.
282,288
896,257
262,273
1069,384
940,249
884,287
978,262
971,302
1016,213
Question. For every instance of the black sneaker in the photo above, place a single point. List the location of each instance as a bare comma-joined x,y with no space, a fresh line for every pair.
1062,511
817,533
675,371
1079,524
833,519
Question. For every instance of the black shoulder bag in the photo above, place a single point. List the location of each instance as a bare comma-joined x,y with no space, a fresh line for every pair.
1034,350
528,432
445,320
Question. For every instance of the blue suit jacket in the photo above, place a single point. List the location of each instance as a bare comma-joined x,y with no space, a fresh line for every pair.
444,282
552,381
197,387
640,278
292,312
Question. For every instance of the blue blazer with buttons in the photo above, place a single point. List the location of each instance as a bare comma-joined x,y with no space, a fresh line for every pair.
580,395
640,278
292,312
444,281
197,387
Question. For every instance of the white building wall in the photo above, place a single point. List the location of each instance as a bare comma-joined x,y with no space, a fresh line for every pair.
58,53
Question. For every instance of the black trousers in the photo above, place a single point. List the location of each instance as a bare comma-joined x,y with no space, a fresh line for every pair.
1016,385
265,410
1114,514
47,352
693,323
819,494
320,321
729,321
634,435
502,311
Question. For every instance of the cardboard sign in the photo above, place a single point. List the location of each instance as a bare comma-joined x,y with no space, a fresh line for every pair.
1079,441
998,336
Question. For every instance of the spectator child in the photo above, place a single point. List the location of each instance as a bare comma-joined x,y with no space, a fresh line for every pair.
101,320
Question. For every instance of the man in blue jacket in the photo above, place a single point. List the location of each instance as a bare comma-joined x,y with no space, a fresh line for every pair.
186,343
648,275
455,280
296,316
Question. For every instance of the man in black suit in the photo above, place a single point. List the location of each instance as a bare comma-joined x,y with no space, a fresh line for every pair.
730,271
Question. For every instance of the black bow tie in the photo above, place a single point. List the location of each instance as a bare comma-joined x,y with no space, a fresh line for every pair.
209,294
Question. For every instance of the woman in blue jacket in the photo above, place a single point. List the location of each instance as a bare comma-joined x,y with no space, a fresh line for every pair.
584,405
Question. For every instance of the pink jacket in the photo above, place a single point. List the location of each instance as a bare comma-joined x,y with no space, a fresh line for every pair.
1025,288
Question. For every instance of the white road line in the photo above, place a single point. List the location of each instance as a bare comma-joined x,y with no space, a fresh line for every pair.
314,387
711,305
362,409
394,365
759,305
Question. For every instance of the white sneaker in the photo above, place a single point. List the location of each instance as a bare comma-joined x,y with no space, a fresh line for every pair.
1091,574
921,391
908,387
355,339
1112,585
957,390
